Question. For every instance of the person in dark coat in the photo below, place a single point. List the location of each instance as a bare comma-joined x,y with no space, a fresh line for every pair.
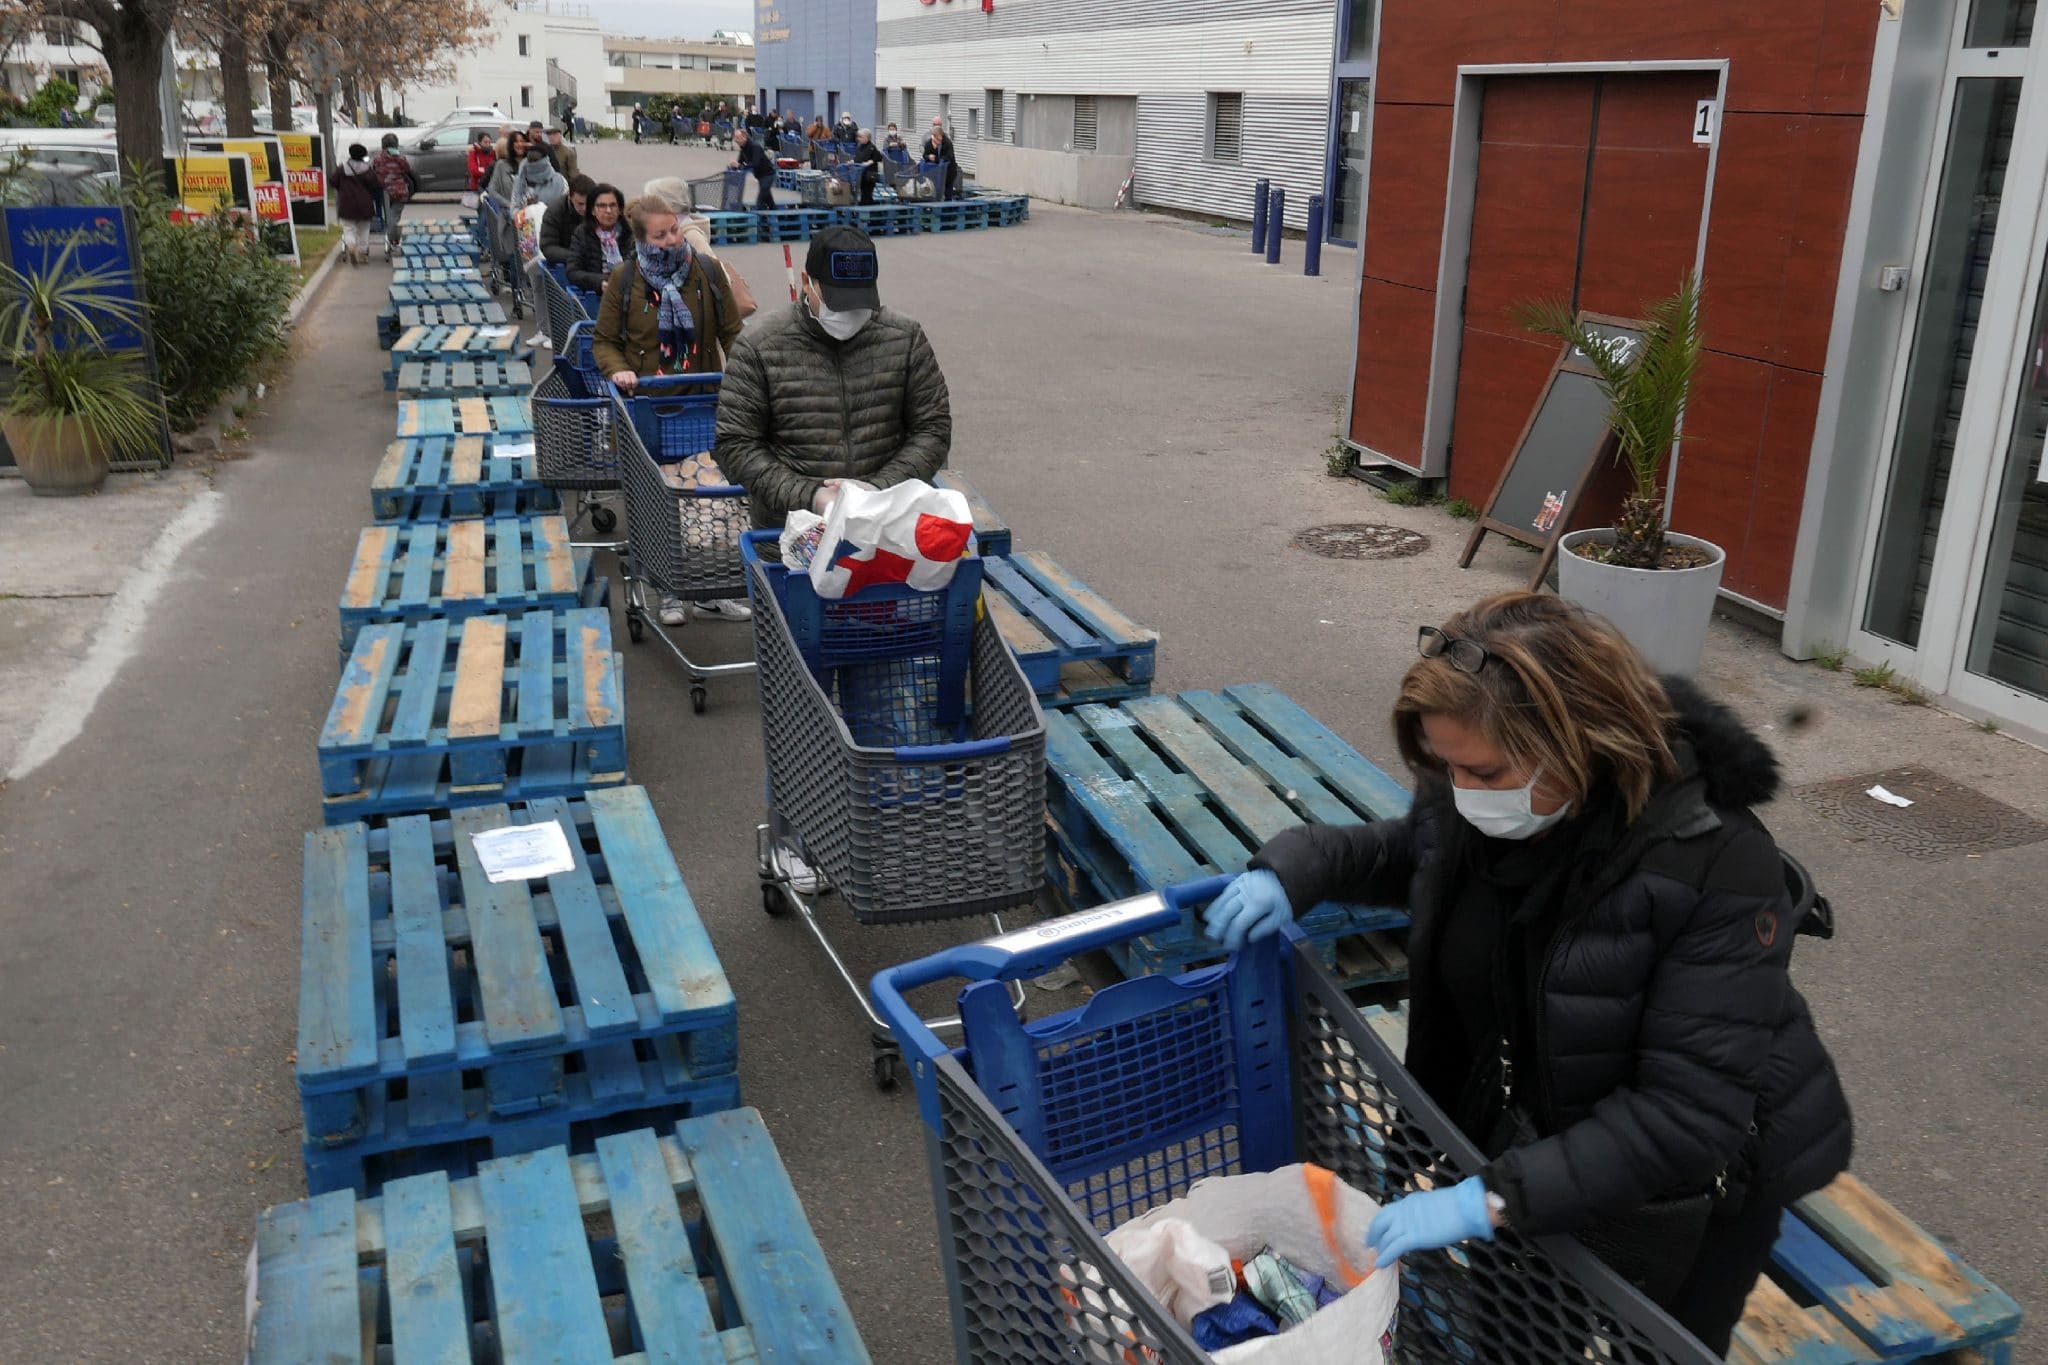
559,224
939,147
1599,958
869,157
748,157
602,240
355,196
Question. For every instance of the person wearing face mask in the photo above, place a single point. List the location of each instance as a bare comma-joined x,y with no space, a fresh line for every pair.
835,389
1599,955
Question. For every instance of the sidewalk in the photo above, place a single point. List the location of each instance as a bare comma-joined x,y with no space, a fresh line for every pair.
1139,399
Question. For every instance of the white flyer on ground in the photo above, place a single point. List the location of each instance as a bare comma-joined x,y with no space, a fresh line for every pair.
498,333
514,450
517,853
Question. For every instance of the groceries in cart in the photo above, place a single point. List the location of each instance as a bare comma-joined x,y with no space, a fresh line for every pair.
909,533
1268,1267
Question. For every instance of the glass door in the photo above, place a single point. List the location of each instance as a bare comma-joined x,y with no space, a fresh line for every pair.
1354,118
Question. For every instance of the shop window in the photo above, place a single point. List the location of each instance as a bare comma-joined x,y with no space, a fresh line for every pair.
881,115
1084,123
526,97
994,100
525,46
1358,29
909,109
2000,23
1226,126
974,124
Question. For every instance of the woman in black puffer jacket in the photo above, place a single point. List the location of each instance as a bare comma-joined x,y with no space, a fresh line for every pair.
1599,957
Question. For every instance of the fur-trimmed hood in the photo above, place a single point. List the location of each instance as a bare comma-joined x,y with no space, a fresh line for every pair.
1738,768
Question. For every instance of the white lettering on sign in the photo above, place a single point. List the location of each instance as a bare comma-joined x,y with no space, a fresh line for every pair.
1620,349
1706,122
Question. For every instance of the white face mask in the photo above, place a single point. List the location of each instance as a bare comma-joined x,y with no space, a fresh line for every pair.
1506,814
842,326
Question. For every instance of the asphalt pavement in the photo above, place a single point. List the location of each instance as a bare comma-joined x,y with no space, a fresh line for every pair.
1139,397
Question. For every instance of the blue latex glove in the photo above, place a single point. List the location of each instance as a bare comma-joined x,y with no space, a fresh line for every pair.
1252,907
1430,1220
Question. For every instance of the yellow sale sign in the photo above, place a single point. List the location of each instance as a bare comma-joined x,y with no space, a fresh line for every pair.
205,183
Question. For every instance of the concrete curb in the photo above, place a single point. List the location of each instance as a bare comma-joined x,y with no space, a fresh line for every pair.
310,290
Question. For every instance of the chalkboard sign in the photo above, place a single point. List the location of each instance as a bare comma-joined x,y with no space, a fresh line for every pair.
1561,445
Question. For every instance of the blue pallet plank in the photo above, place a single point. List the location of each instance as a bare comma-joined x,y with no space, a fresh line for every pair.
991,532
427,1020
708,1258
684,976
1359,780
519,1009
1073,645
458,342
463,378
765,1243
503,416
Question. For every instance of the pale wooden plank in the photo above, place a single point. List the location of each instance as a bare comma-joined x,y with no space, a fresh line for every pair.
473,710
366,576
462,572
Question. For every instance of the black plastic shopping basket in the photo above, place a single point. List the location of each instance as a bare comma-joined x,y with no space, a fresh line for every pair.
1044,1136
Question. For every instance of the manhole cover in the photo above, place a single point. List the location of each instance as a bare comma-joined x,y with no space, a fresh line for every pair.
1945,819
1362,540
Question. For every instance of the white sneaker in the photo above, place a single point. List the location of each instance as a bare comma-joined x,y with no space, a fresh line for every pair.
726,609
674,612
801,876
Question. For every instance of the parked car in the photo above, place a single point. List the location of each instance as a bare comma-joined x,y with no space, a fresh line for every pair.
440,155
39,183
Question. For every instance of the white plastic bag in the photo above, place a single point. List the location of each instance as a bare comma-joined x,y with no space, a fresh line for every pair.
911,533
1318,1223
1185,1271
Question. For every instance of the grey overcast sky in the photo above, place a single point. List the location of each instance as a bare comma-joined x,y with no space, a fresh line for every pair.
673,18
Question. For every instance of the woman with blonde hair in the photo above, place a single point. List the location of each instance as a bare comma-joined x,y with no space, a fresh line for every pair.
1602,931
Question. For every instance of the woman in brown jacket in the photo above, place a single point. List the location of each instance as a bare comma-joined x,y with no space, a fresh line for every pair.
667,310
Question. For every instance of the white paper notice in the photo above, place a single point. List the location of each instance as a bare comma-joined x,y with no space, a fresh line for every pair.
513,450
498,333
1890,798
516,853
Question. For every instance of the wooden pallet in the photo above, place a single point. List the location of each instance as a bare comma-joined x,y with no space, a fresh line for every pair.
790,225
428,991
463,378
879,220
445,291
688,1245
1155,791
413,270
461,342
1853,1280
450,478
1007,210
458,569
435,256
431,714
732,227
1073,646
952,215
991,532
504,415
393,322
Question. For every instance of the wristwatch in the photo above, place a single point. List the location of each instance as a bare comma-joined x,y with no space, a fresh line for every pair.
1497,1208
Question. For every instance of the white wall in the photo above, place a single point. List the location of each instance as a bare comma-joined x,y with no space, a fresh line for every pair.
577,45
1277,53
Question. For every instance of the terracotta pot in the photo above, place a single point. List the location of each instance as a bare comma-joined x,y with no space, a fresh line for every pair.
57,456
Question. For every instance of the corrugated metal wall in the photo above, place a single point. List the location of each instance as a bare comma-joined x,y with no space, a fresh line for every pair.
1276,52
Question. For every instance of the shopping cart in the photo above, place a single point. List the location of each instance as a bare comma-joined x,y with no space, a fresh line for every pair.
560,306
573,433
1045,1136
908,801
682,543
503,269
725,192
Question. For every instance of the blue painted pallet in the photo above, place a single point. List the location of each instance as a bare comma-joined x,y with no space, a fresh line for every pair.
1853,1280
991,532
1165,789
433,714
785,177
463,378
1072,644
952,215
502,416
732,228
460,342
790,225
468,290
430,991
1007,210
415,271
412,260
679,1244
450,478
458,569
879,220
393,322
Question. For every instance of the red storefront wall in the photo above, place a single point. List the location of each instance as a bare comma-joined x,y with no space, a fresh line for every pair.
1798,75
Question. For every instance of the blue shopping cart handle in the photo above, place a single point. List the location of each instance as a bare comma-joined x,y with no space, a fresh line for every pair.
951,753
1027,952
704,377
717,490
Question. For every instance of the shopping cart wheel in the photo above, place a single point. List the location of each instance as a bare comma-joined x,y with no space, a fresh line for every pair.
636,626
772,901
602,518
888,1065
697,695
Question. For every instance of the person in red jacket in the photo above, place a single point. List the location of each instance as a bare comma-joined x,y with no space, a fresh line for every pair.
481,156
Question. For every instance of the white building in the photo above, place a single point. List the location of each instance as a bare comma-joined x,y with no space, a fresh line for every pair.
1065,101
538,54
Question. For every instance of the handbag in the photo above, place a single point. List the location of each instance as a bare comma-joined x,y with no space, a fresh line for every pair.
742,296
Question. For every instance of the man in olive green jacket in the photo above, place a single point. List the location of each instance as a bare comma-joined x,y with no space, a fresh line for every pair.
836,389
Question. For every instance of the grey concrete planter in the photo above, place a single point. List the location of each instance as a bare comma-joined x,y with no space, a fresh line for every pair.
1663,612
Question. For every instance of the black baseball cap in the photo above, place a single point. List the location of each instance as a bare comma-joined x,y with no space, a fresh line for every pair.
842,260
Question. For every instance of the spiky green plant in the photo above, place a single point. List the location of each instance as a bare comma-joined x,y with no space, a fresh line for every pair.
51,333
1646,391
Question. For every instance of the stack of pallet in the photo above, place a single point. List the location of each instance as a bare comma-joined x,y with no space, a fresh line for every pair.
495,1046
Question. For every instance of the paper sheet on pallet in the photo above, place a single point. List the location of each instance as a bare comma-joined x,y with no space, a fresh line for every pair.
514,853
514,450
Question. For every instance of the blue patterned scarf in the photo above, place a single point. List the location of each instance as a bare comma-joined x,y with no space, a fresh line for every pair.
665,269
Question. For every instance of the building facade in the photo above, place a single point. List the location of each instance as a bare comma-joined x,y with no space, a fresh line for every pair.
1068,100
537,55
816,58
1861,188
640,68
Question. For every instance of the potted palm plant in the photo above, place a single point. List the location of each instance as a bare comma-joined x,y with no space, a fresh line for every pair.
71,404
1657,586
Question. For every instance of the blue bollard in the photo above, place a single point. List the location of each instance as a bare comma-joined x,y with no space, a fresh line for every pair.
1312,259
1276,218
1259,215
